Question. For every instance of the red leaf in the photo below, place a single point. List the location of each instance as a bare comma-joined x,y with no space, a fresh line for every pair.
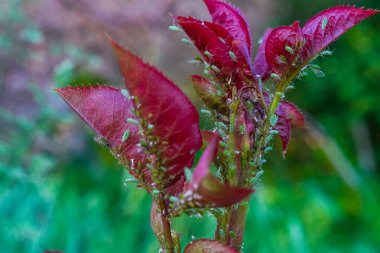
292,113
229,17
328,25
288,116
208,246
282,48
206,40
242,58
106,110
165,107
284,129
260,65
205,190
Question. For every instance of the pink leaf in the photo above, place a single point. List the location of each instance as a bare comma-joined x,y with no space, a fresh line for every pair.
260,65
282,48
205,190
328,25
164,107
106,110
206,40
229,17
208,246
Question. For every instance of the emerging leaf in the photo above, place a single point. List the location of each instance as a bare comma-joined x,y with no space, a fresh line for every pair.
175,133
205,190
208,94
106,110
328,25
229,17
208,246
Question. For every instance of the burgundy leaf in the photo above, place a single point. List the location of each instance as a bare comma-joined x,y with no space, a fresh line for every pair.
166,109
282,48
293,114
106,110
284,129
243,60
205,190
229,17
288,116
208,94
206,40
328,25
260,65
208,246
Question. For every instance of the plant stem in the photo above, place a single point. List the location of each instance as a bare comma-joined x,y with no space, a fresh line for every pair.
236,225
166,225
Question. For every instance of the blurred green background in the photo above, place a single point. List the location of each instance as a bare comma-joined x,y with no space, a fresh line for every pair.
60,190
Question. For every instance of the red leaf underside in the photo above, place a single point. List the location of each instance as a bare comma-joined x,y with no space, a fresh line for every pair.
166,108
296,117
106,110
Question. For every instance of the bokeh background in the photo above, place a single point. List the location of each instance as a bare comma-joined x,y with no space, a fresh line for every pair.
61,190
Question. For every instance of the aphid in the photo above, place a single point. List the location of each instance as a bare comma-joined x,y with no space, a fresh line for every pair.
289,50
275,76
324,23
133,121
205,112
188,174
281,59
126,135
125,93
186,41
207,53
232,55
273,120
215,69
174,28
241,129
221,125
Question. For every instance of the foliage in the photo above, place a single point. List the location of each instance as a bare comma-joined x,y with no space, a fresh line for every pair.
304,203
152,128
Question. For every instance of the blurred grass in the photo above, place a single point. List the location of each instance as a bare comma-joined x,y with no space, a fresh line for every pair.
74,200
